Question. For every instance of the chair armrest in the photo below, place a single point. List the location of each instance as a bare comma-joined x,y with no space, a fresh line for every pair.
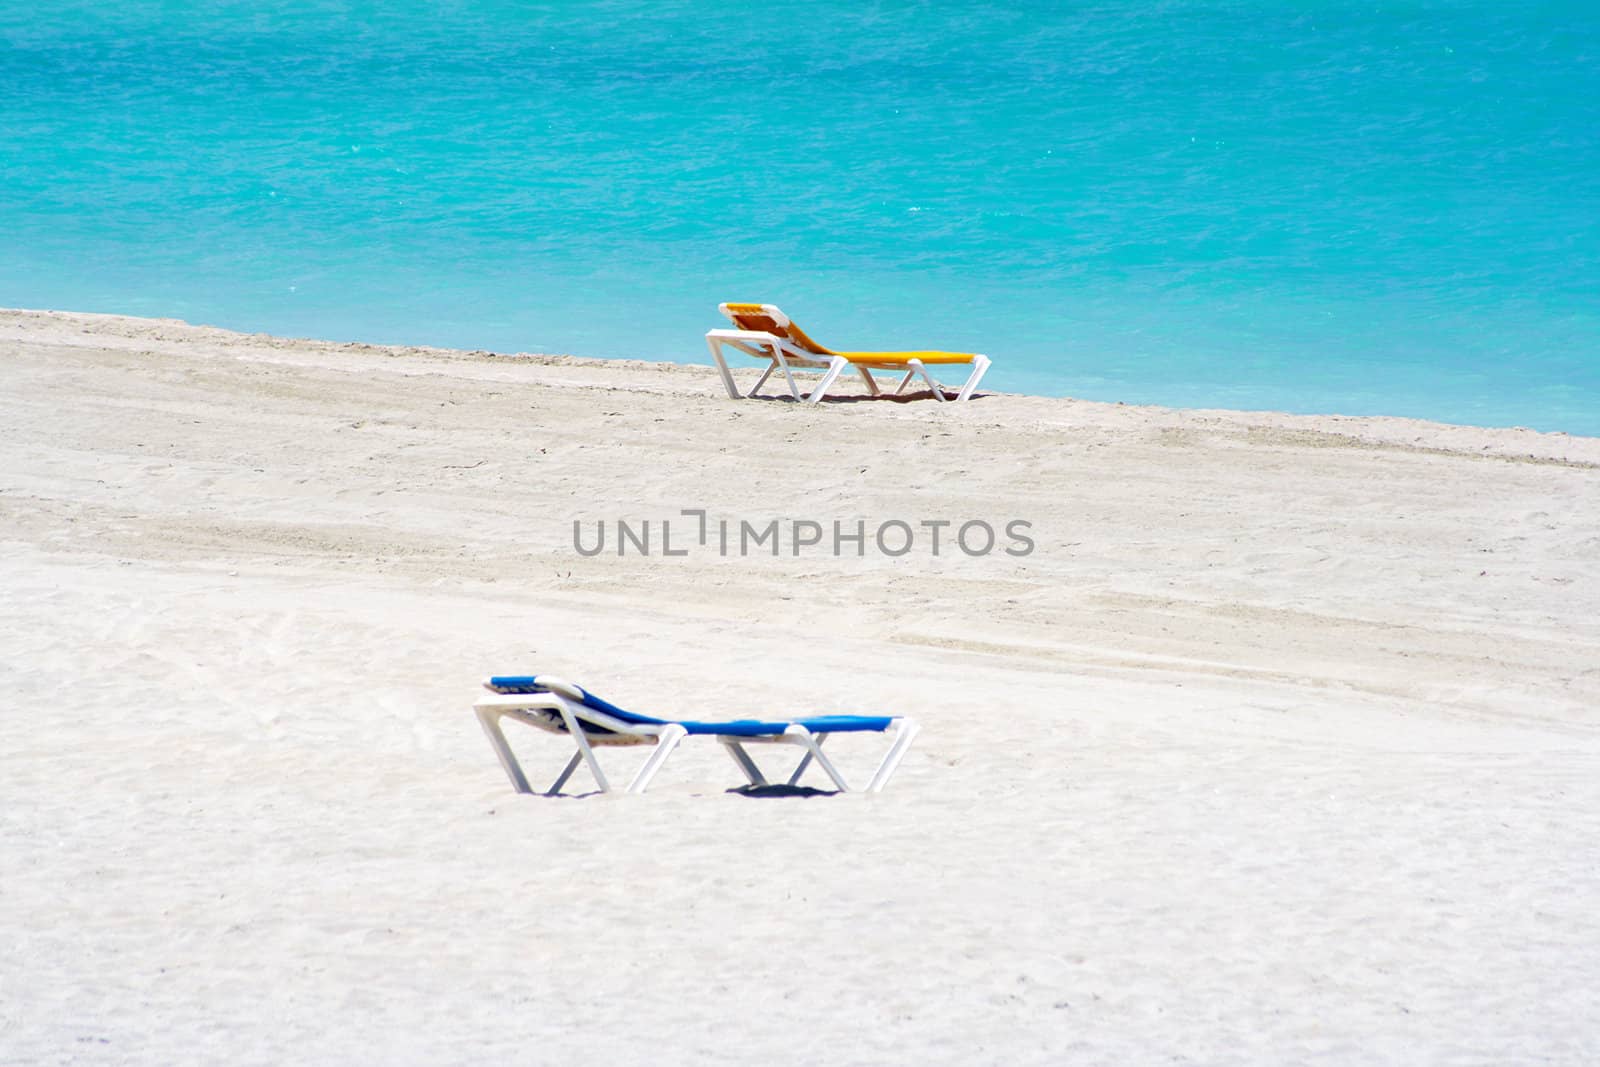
743,335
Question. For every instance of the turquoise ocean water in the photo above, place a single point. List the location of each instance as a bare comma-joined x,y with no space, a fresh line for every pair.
1365,208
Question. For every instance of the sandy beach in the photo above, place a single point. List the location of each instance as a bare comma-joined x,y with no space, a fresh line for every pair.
1281,745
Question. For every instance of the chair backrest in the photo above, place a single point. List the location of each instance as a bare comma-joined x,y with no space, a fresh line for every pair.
546,683
767,318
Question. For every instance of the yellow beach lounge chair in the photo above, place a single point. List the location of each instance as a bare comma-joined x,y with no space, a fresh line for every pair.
765,332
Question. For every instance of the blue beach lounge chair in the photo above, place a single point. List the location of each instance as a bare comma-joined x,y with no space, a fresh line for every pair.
765,332
559,707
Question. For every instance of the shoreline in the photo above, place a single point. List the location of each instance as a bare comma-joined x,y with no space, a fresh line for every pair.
128,329
1281,738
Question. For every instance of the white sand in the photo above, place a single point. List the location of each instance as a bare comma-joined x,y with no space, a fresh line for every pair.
1282,747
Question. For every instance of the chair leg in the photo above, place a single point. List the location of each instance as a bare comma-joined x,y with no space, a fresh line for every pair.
799,735
910,374
788,375
872,383
805,761
835,366
756,388
980,364
572,765
575,729
937,390
665,743
752,773
489,719
722,366
891,761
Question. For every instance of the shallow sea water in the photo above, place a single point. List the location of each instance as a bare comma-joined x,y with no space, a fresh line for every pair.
1383,208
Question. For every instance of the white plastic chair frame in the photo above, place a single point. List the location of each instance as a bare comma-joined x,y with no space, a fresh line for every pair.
786,356
530,708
